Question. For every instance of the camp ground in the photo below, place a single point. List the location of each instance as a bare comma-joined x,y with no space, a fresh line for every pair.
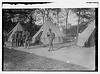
29,40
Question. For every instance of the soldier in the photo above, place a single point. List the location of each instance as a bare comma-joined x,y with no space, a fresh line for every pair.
5,35
13,39
19,38
38,37
16,38
23,38
27,40
21,42
51,37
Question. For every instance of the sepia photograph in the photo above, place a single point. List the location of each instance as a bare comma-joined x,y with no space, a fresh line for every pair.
49,39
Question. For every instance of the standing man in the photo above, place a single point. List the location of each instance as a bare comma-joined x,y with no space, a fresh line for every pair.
5,37
19,38
16,38
51,37
27,40
13,39
23,38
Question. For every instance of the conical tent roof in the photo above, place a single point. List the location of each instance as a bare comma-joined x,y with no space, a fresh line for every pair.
84,36
45,28
18,27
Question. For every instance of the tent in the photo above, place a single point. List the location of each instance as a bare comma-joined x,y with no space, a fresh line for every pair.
18,27
59,36
86,34
91,40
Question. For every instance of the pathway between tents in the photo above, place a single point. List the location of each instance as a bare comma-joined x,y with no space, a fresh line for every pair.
75,55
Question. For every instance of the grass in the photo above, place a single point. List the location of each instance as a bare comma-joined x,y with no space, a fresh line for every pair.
14,60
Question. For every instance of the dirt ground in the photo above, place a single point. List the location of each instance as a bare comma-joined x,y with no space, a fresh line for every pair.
66,53
14,60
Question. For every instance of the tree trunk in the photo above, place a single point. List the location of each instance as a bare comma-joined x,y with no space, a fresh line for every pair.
43,16
57,17
43,19
78,28
47,14
67,20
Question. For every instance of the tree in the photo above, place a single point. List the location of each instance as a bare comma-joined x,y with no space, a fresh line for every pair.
43,14
12,16
67,12
82,13
58,10
43,11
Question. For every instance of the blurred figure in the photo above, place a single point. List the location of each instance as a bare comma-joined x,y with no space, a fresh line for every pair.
23,38
16,38
21,42
38,37
51,37
5,35
19,38
27,42
27,39
13,40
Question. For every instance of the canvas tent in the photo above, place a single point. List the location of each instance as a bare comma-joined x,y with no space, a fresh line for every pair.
91,40
45,28
85,35
18,27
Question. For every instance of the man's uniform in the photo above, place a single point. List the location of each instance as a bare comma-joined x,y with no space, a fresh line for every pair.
13,39
23,38
27,40
5,36
51,37
16,38
19,38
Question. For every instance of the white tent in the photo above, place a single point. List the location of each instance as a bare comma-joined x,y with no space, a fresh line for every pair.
45,28
18,27
84,36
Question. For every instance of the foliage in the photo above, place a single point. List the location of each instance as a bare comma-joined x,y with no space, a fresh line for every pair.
30,17
85,13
